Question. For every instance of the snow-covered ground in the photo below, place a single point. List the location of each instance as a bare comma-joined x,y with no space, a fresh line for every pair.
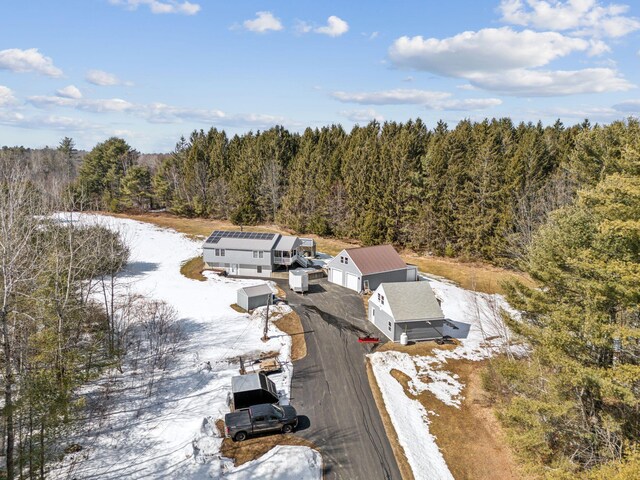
481,333
168,430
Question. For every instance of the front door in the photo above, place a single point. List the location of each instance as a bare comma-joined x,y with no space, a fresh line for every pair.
234,269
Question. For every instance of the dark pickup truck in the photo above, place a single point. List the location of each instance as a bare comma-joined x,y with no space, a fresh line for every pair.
258,419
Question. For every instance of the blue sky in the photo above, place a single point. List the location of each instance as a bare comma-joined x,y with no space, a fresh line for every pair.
153,70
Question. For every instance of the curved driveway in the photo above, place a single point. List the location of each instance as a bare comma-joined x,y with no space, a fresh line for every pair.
330,386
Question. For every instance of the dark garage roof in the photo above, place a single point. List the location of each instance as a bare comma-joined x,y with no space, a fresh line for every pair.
376,259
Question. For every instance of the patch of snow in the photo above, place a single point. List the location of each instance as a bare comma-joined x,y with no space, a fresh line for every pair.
302,463
410,420
474,319
168,431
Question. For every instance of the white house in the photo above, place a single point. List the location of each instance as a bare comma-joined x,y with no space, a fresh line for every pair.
411,308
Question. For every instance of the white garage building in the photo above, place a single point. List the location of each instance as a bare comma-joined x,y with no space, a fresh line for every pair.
365,268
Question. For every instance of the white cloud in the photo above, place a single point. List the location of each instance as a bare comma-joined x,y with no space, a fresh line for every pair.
157,112
426,98
628,106
90,105
302,27
507,61
468,104
584,17
334,28
6,96
362,115
161,6
486,50
392,97
536,83
50,122
264,22
104,79
70,91
30,60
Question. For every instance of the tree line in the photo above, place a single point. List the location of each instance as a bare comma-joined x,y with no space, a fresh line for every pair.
477,191
560,203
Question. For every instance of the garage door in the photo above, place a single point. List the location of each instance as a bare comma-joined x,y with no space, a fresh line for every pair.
352,282
336,276
422,330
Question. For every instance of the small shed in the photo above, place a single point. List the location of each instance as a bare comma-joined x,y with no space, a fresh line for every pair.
254,297
299,280
252,389
406,307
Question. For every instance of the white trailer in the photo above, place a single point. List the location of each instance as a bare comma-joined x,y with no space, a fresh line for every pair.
298,280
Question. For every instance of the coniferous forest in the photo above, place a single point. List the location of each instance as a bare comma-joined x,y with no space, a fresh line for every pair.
561,203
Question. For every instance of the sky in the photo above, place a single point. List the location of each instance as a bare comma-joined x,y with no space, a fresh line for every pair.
150,71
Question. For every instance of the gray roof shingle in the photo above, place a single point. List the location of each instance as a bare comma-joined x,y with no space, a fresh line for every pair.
412,301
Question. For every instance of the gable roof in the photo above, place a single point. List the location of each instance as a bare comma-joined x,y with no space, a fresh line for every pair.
257,290
286,243
234,240
376,259
412,301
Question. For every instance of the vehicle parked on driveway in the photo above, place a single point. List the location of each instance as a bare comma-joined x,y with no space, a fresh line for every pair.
260,419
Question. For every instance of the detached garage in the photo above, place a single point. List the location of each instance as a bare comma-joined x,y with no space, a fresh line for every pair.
365,268
254,297
411,308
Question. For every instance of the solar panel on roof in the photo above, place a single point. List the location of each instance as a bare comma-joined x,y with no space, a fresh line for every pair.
218,234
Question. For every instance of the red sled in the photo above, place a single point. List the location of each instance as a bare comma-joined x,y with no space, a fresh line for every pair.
368,339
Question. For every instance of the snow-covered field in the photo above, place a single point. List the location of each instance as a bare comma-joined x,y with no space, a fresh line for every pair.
482,334
168,431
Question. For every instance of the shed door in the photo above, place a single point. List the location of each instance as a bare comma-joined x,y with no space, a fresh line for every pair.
336,276
352,282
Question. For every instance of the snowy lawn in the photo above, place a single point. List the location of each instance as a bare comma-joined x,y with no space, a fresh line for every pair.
166,429
482,334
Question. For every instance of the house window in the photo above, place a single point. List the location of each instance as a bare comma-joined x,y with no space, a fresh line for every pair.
378,298
255,254
217,252
260,254
382,299
341,259
259,269
346,260
222,252
389,326
373,313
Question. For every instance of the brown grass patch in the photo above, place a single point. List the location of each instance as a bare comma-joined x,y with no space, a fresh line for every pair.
254,447
398,451
291,325
238,308
193,269
280,293
418,348
473,276
470,437
476,276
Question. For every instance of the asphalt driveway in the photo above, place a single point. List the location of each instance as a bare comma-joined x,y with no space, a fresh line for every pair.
330,386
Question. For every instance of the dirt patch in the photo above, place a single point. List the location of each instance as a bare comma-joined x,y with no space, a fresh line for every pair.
280,293
193,269
398,451
253,448
291,325
470,437
418,348
238,308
